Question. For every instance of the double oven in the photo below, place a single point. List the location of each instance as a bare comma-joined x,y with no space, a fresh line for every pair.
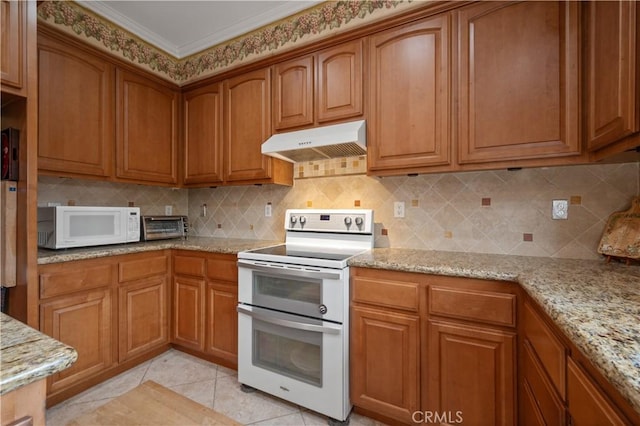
293,311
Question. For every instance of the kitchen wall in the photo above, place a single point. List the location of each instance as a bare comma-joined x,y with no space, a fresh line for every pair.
150,199
506,212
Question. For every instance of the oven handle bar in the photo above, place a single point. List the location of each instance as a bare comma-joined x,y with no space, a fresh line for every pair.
262,315
305,273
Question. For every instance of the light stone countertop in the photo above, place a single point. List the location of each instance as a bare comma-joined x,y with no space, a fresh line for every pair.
206,244
27,355
597,305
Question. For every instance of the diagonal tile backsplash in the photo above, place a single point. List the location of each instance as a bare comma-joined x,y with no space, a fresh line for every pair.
505,212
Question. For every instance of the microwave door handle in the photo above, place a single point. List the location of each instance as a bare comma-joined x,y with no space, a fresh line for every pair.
281,270
261,315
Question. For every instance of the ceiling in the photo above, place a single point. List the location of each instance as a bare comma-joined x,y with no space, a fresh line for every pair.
184,27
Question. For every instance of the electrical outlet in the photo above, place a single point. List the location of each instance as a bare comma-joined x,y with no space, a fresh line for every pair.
267,210
398,209
560,209
168,210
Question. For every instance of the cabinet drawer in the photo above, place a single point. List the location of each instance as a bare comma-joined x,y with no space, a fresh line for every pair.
142,268
70,278
223,269
484,306
550,351
393,294
549,404
184,265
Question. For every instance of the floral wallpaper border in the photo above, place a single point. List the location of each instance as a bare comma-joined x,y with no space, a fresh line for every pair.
321,19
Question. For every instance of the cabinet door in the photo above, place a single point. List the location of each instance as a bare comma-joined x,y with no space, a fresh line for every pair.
611,72
146,129
75,111
385,363
222,321
247,118
339,82
203,135
188,312
142,314
518,87
409,97
293,93
84,322
13,17
587,404
471,373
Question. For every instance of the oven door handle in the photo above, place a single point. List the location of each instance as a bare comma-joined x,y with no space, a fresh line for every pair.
265,316
281,270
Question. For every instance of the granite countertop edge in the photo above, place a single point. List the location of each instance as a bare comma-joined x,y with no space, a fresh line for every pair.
27,355
205,244
591,301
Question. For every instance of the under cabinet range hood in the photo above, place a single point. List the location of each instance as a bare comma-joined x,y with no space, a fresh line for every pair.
319,143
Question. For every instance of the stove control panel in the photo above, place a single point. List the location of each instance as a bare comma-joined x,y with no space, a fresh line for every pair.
356,221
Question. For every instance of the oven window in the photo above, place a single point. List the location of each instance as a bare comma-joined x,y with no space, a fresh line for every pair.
289,352
303,290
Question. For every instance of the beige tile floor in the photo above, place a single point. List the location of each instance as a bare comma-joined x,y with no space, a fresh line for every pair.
209,384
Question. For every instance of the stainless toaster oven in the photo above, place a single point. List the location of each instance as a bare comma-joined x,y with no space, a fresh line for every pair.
163,227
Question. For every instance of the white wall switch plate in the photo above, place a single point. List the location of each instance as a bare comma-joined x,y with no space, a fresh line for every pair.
560,209
398,209
267,210
168,210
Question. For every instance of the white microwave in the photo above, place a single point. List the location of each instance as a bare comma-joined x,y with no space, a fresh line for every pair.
80,226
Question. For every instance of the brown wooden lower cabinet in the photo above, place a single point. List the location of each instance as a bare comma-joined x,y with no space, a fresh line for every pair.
587,404
471,374
143,316
84,321
188,312
430,349
222,321
205,296
385,363
112,310
558,385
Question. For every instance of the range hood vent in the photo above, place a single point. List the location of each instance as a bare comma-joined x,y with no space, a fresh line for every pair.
319,143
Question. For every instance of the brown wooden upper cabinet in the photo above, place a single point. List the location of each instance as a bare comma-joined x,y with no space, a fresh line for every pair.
613,99
203,147
146,129
409,119
76,111
247,124
13,50
319,88
518,81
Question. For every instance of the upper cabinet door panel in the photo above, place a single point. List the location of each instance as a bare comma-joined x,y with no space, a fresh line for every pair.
518,81
293,93
339,84
409,96
247,121
147,129
75,116
203,135
612,90
13,15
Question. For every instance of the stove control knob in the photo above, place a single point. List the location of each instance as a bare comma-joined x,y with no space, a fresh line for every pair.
322,309
293,220
303,220
359,221
347,221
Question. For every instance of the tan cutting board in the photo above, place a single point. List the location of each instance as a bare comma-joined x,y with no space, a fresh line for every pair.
621,237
